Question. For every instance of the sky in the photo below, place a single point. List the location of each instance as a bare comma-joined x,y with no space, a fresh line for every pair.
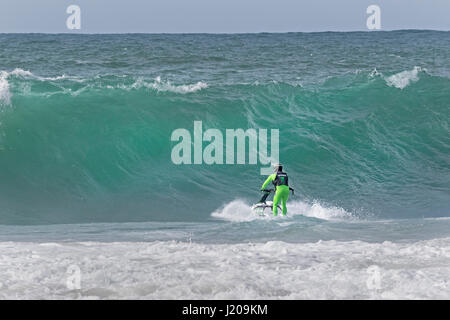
220,16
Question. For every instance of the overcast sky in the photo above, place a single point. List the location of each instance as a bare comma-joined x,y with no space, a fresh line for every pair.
220,16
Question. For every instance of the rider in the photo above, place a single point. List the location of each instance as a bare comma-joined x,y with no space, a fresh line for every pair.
280,180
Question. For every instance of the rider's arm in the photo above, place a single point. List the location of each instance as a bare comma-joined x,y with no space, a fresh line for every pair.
268,180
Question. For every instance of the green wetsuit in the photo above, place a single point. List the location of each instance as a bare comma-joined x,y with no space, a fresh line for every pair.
282,193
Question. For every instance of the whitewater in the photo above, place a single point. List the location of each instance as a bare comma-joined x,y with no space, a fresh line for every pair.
271,270
320,253
88,190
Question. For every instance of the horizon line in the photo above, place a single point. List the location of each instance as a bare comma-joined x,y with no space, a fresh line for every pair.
219,33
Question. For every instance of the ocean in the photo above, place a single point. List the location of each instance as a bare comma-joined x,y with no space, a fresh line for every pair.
88,187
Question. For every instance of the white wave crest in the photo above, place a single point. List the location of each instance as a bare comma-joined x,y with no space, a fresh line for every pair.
160,85
240,211
27,74
20,73
185,88
402,79
157,84
5,94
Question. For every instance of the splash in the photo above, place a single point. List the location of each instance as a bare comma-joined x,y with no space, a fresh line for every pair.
240,211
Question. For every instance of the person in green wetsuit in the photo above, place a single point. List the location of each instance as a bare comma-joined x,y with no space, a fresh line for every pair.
280,180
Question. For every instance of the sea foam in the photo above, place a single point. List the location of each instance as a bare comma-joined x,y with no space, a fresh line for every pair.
187,270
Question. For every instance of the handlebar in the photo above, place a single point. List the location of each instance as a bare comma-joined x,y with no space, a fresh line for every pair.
272,190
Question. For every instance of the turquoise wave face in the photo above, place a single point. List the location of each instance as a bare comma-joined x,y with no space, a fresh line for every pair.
85,134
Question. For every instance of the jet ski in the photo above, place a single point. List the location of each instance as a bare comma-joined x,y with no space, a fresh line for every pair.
264,206
260,207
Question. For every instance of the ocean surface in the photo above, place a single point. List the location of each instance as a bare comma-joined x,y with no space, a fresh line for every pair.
87,182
